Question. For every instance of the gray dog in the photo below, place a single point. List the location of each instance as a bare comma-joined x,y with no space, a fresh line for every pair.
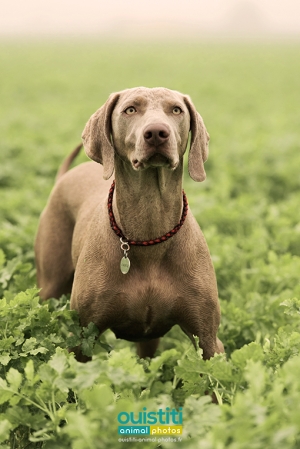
131,252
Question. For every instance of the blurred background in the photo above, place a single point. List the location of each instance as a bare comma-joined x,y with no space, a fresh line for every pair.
152,19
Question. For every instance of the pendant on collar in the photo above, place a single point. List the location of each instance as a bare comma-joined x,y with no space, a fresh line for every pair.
125,262
126,243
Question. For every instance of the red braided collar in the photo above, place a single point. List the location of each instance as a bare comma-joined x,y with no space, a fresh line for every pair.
161,239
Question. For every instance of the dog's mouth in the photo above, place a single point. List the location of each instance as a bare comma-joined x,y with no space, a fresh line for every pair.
155,161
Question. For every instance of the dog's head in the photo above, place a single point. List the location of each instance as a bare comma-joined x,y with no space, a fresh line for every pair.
147,128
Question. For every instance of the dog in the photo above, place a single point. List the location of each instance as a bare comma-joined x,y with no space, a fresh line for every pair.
131,253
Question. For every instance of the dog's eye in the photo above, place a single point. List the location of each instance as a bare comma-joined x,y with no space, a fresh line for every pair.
130,111
177,110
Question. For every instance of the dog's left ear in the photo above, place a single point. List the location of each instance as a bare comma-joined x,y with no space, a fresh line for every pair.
199,143
96,136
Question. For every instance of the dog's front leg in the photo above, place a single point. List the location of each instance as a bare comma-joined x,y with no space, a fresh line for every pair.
79,356
147,348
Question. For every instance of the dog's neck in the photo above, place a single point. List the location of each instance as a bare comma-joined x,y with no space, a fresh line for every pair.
148,203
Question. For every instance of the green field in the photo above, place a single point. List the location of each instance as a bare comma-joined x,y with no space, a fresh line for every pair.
248,209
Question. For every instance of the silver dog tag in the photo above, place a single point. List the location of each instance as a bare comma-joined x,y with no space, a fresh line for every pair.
125,265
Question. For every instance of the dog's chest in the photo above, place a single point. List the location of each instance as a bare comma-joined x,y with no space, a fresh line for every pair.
144,310
142,304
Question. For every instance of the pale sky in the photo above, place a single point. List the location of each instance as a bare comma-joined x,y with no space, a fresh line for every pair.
154,18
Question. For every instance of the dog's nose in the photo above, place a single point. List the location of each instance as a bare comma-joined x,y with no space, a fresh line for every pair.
156,134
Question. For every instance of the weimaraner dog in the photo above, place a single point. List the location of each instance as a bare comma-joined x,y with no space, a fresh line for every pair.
132,254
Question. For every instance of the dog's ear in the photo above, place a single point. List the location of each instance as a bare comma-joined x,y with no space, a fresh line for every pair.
96,136
199,143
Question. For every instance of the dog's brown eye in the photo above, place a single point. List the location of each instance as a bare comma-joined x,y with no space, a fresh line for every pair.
177,110
131,110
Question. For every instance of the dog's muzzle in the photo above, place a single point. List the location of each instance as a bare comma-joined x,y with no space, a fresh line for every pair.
156,150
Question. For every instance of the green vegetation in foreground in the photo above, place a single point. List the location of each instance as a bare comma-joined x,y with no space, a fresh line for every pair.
248,209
